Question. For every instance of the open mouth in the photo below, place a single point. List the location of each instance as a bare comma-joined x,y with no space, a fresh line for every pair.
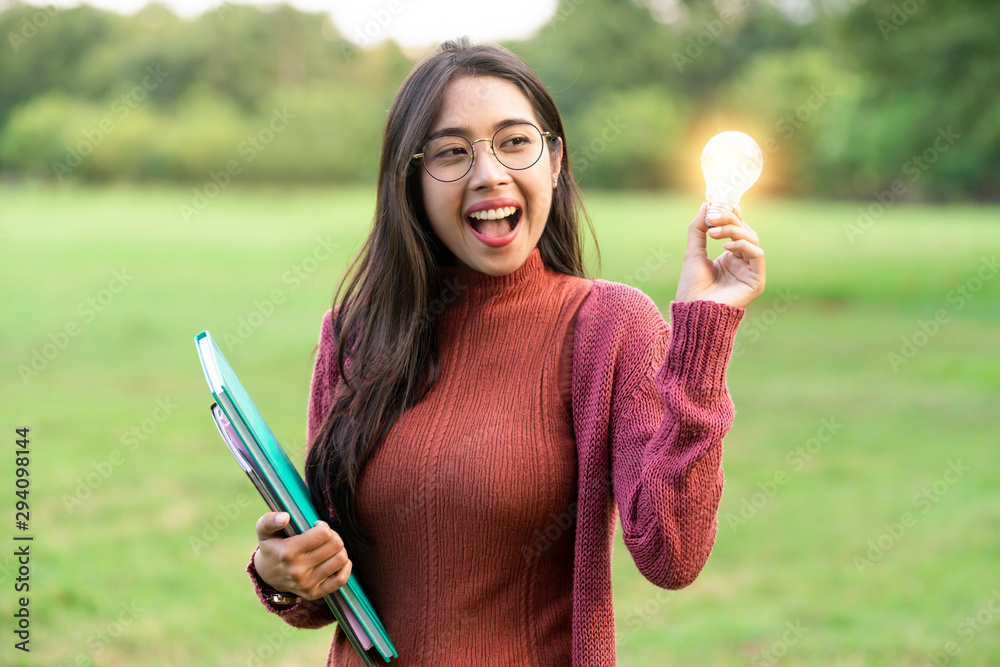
495,223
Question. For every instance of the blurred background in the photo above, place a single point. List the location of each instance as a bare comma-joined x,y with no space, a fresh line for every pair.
839,94
166,169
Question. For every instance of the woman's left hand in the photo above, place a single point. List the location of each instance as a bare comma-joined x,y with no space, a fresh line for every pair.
736,277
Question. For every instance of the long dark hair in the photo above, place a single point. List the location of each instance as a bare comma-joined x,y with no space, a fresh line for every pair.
387,346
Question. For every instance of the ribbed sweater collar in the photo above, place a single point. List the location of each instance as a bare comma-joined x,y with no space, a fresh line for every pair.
486,285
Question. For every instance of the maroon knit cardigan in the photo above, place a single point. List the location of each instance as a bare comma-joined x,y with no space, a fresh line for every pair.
650,409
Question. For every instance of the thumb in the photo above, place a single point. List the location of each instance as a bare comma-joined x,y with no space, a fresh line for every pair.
696,244
272,525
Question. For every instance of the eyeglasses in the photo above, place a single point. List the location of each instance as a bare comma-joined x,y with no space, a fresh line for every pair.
450,157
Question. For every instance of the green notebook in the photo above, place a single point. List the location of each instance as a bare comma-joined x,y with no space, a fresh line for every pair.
269,462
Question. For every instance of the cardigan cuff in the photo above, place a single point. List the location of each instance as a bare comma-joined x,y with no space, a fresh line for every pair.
701,342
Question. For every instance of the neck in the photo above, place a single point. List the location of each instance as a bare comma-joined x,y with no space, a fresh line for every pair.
462,277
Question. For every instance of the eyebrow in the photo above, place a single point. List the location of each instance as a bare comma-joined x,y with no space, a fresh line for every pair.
464,131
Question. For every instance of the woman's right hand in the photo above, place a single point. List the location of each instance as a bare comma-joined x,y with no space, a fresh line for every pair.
310,565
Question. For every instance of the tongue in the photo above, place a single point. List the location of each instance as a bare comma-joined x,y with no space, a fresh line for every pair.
493,229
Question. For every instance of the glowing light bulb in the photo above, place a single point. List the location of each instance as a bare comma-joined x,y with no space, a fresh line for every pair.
731,162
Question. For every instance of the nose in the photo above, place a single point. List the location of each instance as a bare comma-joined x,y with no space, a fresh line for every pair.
486,169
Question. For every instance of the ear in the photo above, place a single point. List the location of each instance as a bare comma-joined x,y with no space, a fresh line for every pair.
555,158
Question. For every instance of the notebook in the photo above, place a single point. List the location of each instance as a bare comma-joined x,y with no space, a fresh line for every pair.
256,449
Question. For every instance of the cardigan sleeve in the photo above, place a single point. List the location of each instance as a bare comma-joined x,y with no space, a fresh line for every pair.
668,411
308,613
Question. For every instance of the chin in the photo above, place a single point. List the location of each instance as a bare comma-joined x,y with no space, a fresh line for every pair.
497,266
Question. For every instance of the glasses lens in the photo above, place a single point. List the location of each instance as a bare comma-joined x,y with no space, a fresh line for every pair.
448,158
518,146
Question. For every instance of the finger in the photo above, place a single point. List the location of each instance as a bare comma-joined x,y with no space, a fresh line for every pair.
738,214
318,543
271,525
720,216
309,574
330,567
734,232
696,244
321,536
337,573
749,252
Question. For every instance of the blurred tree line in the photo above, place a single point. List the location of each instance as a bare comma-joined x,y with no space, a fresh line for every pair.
845,99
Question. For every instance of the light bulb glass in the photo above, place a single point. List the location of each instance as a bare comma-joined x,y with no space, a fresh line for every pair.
731,162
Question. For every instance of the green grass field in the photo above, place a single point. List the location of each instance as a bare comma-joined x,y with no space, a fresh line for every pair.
860,524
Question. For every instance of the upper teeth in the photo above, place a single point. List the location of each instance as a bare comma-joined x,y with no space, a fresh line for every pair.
493,214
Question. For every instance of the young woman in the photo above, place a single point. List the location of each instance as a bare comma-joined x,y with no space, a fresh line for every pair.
481,411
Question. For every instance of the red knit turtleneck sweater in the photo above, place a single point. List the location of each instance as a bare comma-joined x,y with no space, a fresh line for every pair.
490,501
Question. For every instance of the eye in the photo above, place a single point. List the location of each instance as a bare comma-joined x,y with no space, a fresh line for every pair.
515,142
450,152
447,150
517,138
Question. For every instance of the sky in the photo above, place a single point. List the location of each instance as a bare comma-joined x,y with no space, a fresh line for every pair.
411,23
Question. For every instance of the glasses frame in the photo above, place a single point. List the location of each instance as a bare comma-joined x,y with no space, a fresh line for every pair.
472,162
